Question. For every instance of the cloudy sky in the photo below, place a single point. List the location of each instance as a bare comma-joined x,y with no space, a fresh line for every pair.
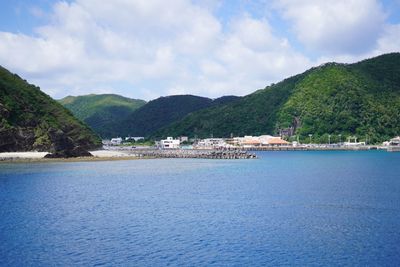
150,48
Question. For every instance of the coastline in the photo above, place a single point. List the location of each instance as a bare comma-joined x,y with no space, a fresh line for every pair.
108,155
113,155
34,156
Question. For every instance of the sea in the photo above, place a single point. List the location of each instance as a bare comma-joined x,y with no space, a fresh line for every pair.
303,208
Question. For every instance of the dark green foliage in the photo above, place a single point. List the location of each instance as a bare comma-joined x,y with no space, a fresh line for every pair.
99,111
361,99
114,115
27,114
159,113
225,99
253,114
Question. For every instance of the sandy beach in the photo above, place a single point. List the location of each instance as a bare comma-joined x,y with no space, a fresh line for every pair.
34,156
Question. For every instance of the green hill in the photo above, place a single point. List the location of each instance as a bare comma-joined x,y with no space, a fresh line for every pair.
29,117
361,99
253,114
162,111
98,111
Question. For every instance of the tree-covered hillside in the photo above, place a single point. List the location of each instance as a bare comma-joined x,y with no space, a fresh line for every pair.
253,114
28,117
98,111
161,112
361,99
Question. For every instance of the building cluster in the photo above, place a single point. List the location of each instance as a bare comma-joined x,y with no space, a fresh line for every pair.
219,143
119,140
258,141
248,141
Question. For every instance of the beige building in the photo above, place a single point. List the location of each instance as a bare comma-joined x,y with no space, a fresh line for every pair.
263,140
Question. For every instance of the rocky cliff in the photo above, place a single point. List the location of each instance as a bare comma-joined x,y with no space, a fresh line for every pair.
31,120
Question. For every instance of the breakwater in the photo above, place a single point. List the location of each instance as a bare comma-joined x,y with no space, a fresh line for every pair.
192,153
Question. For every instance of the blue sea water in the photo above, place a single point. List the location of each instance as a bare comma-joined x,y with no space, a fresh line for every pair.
285,208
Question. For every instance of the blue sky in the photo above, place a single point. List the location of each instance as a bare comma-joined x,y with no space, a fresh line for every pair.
146,48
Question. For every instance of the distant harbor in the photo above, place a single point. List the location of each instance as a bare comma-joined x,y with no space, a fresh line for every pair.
210,148
182,147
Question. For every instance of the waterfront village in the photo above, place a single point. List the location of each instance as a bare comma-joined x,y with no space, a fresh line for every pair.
263,142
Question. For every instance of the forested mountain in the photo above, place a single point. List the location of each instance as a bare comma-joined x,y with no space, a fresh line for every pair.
100,110
31,120
114,115
159,113
361,99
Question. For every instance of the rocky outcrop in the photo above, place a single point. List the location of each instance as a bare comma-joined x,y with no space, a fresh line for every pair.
64,147
16,139
31,120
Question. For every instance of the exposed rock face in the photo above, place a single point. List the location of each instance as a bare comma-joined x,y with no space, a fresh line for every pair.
30,120
16,139
64,146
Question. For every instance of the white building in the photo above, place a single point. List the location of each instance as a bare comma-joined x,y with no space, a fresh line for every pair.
395,141
170,143
116,141
183,138
352,144
210,143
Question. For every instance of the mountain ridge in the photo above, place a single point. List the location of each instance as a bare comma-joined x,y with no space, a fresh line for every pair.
98,110
352,92
162,111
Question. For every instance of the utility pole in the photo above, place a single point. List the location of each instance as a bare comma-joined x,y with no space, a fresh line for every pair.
329,138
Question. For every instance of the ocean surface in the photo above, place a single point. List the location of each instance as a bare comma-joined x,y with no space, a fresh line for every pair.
285,208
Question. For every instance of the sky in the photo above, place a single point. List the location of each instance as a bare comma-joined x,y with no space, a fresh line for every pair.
149,48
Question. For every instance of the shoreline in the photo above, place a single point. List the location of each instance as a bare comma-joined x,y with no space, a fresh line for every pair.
33,156
78,159
111,155
114,155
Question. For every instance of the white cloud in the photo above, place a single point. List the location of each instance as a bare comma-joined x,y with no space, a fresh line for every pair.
91,43
335,26
390,41
145,48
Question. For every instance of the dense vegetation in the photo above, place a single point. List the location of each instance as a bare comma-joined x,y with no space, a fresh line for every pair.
340,100
361,99
98,111
114,115
161,112
253,114
27,115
